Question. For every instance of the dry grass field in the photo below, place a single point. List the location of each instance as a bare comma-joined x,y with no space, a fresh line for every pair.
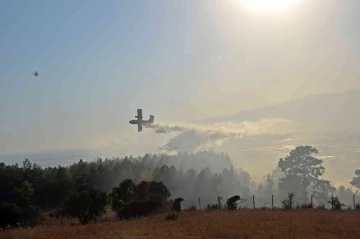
244,224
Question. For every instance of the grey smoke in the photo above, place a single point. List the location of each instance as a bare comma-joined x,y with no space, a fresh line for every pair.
199,136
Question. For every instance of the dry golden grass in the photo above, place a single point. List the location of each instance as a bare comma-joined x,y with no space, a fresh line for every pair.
217,224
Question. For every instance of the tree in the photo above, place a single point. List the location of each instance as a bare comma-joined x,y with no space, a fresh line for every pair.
302,171
335,203
356,180
122,194
142,190
158,192
186,178
260,190
86,205
269,185
25,194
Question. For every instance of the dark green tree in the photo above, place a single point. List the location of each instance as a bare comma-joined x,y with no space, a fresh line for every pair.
51,185
122,194
25,194
302,174
158,192
86,205
10,214
30,215
128,194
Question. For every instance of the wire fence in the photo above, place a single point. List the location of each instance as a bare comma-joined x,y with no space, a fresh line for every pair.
272,201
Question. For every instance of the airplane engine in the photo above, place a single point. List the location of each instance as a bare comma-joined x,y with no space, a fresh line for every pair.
151,120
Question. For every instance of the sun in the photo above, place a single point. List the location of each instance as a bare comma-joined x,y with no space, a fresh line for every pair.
267,5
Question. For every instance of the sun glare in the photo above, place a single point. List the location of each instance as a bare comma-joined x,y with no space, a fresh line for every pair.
267,5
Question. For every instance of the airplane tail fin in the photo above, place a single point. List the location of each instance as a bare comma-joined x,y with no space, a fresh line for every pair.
151,120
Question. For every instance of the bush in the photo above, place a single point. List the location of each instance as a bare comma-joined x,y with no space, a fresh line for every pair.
14,216
10,214
213,206
335,203
192,208
307,205
139,208
31,216
288,203
172,216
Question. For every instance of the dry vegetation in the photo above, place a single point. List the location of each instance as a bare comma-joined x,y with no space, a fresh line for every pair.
213,224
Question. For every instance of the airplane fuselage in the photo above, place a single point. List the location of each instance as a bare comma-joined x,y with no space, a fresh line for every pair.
139,122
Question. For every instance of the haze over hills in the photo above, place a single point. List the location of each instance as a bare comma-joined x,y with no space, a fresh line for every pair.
329,111
329,122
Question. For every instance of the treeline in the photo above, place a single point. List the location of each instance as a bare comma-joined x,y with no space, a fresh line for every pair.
27,189
52,184
30,188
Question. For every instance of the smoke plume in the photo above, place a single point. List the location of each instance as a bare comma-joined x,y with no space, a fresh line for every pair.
198,136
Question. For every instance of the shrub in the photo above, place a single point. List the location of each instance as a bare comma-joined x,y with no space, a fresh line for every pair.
307,205
192,208
176,205
31,216
172,216
335,203
10,214
231,202
213,206
288,203
139,208
348,208
14,216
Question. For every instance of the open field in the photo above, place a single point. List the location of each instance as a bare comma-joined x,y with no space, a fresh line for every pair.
213,224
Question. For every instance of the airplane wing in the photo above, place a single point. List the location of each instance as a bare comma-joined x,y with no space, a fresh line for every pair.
139,114
139,127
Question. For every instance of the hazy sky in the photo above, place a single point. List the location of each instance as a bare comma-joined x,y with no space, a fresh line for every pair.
98,61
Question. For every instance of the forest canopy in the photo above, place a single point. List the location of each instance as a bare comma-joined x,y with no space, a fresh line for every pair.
205,174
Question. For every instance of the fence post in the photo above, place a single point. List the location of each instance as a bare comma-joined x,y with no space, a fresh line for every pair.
254,201
219,201
311,201
272,201
199,204
354,202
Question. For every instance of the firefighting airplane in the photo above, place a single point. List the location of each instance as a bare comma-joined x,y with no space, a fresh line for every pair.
140,122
